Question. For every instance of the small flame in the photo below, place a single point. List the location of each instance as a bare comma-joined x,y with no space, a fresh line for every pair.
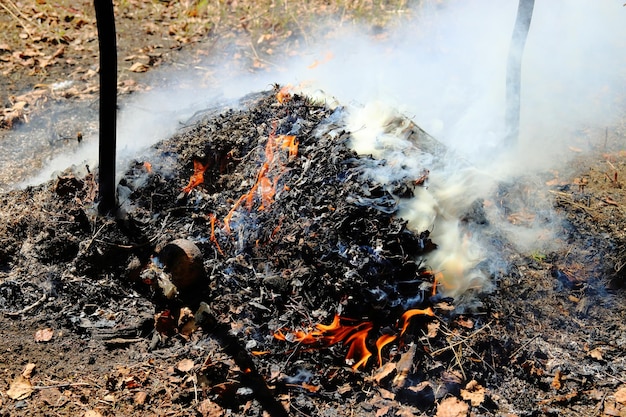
212,238
198,175
414,312
284,94
268,176
383,341
353,336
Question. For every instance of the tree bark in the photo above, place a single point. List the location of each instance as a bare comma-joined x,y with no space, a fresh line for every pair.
105,21
514,69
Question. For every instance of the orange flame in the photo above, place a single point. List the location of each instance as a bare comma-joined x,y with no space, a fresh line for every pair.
414,312
383,341
283,94
198,175
290,143
212,238
353,336
267,179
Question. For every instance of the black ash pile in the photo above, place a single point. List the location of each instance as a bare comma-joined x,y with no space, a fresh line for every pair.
290,232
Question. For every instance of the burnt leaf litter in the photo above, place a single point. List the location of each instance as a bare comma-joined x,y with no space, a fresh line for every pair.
252,268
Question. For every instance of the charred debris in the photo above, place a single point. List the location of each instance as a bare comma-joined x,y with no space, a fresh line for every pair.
256,227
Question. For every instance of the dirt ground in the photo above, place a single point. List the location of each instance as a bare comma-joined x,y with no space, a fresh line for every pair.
87,329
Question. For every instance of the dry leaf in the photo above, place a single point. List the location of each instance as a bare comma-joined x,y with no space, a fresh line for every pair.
138,67
466,322
28,370
383,372
452,407
92,413
382,411
596,354
20,389
611,409
474,393
620,395
387,395
557,381
140,397
185,365
433,329
44,335
209,409
53,397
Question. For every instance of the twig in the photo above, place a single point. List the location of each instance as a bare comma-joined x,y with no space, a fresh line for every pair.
453,345
613,376
514,354
93,238
457,356
233,347
69,384
13,15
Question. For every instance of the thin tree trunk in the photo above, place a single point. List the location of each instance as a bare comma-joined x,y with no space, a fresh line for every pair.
108,104
514,69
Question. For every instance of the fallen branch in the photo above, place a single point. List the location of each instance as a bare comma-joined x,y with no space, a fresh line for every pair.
232,346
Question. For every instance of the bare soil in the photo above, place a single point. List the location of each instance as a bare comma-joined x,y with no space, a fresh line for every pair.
81,296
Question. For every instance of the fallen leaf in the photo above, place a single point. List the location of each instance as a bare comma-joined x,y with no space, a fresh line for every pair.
474,393
92,413
386,394
620,395
383,372
596,354
139,67
185,365
208,408
557,383
53,397
20,388
382,411
466,322
44,335
433,329
452,407
611,409
28,370
140,397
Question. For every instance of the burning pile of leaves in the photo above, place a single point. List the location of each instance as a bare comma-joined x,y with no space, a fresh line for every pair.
260,242
298,258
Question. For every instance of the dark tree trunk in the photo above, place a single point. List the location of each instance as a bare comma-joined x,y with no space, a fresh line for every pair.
514,69
108,104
